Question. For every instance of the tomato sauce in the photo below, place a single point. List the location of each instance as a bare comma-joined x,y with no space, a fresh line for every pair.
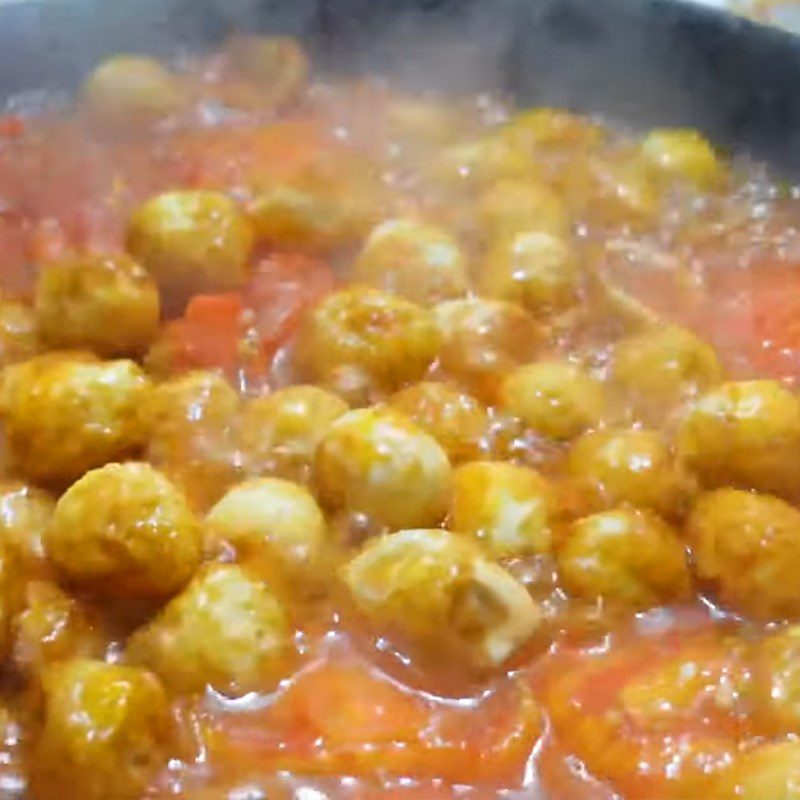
617,682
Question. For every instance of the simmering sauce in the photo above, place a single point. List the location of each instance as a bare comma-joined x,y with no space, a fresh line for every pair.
365,444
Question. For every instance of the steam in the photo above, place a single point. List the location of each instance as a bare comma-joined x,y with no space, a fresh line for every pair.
661,62
448,46
638,64
621,59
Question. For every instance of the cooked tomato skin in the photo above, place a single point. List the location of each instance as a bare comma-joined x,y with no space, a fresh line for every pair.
412,735
239,332
653,702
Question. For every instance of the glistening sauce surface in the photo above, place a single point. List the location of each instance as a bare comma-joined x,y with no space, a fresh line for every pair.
361,444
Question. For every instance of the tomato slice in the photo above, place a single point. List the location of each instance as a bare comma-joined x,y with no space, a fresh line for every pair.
215,326
213,334
11,126
282,287
651,715
773,318
751,314
344,718
239,332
